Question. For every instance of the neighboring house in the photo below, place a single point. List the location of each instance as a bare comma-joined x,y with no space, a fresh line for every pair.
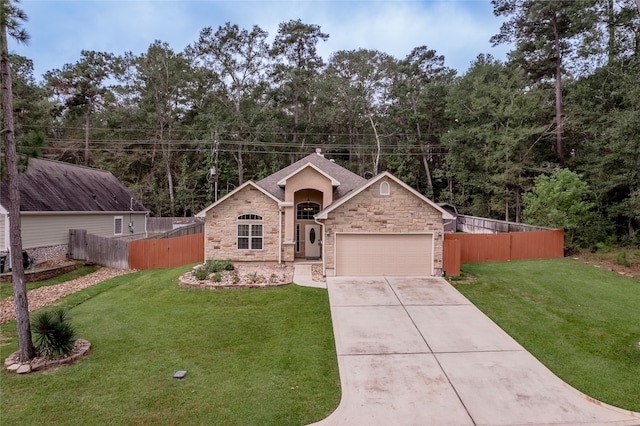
56,197
316,209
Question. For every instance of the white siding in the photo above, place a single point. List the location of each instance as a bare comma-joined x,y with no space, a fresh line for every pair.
3,234
42,230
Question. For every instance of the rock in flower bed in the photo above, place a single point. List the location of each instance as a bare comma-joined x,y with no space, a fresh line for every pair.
80,350
243,275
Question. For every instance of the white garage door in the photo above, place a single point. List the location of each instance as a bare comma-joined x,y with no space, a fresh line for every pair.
384,254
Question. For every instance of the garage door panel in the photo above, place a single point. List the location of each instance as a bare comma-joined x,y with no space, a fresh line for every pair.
384,254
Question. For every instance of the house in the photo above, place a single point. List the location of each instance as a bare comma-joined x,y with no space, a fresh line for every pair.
56,197
316,209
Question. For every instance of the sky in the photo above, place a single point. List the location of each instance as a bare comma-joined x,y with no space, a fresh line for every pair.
60,29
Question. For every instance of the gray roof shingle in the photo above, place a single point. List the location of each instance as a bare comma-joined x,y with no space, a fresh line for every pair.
53,186
348,180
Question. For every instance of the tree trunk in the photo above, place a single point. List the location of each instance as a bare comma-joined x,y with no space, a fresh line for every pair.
611,27
86,136
427,170
558,77
25,344
376,161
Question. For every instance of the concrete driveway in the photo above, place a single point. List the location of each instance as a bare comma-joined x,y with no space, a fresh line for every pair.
415,351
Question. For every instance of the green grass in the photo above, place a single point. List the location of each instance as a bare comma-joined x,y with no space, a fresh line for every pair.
6,289
580,321
253,357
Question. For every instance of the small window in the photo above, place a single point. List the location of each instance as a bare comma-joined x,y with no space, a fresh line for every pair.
306,211
249,232
384,188
117,225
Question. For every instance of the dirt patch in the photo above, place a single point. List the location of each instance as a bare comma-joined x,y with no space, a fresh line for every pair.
632,271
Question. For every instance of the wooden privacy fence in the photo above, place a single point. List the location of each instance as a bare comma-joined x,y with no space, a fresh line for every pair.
166,252
136,254
111,252
500,247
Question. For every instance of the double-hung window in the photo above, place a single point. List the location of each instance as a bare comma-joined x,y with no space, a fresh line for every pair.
250,232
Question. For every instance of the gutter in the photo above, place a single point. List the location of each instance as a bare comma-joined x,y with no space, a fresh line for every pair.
281,205
324,265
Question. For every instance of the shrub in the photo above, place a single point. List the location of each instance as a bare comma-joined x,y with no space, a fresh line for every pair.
201,274
217,277
54,336
216,265
621,259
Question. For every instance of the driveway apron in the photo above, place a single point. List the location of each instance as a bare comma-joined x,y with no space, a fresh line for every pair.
415,351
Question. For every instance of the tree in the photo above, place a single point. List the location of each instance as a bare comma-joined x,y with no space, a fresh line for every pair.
297,68
161,83
355,96
420,101
10,19
559,200
82,87
545,33
235,61
495,125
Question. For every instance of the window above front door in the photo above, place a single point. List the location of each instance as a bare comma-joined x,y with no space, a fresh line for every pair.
306,210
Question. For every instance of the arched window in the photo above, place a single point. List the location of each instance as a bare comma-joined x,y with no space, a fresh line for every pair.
306,210
249,232
385,189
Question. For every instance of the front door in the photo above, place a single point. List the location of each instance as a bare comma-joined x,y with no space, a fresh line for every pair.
312,243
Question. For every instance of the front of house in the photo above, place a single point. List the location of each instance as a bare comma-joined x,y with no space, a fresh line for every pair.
316,209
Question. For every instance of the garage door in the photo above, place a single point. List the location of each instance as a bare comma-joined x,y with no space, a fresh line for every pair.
384,254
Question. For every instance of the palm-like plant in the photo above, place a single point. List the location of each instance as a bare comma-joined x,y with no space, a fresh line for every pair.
54,336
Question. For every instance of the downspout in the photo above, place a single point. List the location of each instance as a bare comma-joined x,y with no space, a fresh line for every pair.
279,234
324,265
281,206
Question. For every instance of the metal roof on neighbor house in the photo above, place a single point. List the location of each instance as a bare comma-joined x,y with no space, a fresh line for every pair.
54,186
348,180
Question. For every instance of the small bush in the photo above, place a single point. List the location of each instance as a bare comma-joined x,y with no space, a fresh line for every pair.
54,336
621,259
254,277
216,265
217,277
201,274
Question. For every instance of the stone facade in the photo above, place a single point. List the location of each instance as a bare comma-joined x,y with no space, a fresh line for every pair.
221,227
399,212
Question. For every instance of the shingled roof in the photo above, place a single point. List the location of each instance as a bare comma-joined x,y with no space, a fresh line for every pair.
348,180
53,186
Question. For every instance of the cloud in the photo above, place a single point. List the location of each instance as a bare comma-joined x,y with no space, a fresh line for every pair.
61,29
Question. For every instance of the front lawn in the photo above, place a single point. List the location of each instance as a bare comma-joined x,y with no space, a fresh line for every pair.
580,321
253,357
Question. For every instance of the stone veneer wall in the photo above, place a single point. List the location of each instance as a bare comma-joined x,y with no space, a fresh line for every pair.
221,227
41,254
399,212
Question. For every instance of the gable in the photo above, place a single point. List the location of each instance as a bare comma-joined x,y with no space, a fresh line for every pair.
400,197
53,186
345,179
245,193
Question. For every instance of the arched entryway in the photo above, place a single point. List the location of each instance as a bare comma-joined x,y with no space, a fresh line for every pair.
308,234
